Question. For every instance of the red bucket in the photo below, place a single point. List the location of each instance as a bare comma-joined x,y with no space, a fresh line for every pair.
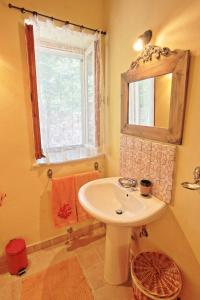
16,256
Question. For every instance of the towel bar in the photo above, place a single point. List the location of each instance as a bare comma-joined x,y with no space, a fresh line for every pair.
50,171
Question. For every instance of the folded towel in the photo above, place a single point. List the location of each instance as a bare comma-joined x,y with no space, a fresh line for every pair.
81,179
64,201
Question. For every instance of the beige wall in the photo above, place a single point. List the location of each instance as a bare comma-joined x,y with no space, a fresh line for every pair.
27,211
175,23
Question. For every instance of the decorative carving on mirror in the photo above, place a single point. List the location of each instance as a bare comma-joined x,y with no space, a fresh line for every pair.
148,53
154,63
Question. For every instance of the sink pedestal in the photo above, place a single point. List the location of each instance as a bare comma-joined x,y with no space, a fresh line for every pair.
116,269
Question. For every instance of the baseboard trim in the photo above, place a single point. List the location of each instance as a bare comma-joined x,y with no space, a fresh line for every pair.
76,234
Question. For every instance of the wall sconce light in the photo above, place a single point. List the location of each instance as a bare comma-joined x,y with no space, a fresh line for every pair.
142,40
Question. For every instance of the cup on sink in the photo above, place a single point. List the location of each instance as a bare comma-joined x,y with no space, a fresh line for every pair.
145,187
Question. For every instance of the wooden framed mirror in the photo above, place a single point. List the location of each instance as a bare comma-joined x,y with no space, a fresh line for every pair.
153,95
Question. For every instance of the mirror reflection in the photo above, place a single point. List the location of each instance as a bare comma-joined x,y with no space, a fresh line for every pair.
149,101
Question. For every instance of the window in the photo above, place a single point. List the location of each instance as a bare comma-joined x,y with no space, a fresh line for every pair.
66,94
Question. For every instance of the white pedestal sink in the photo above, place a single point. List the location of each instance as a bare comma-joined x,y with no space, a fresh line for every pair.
120,209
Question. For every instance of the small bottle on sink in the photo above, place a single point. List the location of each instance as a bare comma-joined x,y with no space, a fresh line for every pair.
145,187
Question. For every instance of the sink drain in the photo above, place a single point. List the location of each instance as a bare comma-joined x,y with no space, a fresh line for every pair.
119,211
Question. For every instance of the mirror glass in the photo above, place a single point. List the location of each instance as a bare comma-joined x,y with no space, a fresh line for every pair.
149,101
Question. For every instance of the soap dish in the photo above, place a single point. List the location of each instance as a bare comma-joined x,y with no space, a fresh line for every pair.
191,186
127,182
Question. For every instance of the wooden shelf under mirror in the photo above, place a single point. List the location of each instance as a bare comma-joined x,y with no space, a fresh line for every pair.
153,95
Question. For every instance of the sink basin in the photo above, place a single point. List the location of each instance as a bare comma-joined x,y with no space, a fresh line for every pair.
121,209
103,198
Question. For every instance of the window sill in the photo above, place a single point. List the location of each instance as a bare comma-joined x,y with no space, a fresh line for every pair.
45,164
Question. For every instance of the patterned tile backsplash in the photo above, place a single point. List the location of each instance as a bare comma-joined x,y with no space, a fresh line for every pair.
150,160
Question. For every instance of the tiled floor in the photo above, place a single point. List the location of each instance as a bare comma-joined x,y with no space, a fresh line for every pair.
91,259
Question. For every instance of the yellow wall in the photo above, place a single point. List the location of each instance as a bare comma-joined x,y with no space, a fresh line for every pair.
175,23
26,211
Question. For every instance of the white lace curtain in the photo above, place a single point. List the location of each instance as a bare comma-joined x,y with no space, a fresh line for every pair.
67,131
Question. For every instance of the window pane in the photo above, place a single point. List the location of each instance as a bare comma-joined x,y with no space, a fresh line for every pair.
60,98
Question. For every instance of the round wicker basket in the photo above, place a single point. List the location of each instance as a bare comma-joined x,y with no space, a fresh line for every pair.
155,276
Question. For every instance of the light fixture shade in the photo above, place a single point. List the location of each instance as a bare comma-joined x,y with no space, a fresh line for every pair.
142,40
138,45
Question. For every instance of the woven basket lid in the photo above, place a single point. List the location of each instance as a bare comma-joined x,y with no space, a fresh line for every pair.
157,274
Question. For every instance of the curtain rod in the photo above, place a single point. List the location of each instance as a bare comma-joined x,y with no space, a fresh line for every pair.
35,13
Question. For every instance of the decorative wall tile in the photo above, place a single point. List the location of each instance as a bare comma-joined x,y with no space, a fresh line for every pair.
151,160
145,159
155,167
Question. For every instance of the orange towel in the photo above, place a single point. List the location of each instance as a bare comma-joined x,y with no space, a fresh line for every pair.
81,179
64,201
